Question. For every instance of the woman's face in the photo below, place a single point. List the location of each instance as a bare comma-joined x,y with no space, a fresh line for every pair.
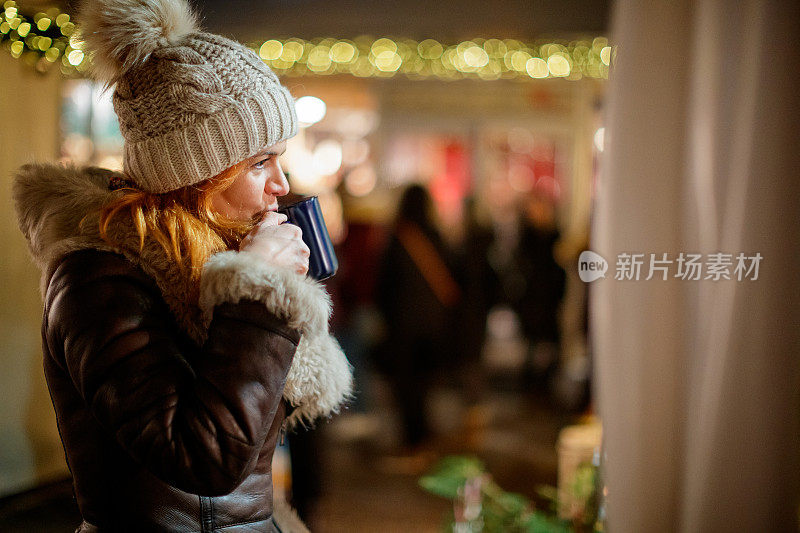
257,187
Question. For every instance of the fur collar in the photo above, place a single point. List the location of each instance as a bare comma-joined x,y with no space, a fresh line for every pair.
57,210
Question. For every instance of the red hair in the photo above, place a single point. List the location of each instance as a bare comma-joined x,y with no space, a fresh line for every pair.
181,221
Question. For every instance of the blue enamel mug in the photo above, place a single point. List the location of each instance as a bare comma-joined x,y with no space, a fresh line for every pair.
307,215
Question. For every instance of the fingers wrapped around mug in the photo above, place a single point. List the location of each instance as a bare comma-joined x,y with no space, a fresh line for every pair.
278,243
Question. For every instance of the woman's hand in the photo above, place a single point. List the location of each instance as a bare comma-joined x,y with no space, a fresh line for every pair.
278,244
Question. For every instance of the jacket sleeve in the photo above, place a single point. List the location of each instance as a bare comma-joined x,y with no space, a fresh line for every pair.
196,417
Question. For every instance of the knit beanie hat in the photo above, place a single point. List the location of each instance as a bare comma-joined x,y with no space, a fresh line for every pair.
190,104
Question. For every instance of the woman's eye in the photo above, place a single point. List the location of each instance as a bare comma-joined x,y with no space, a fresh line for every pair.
261,163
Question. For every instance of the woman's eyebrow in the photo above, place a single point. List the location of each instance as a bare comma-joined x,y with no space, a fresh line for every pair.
269,152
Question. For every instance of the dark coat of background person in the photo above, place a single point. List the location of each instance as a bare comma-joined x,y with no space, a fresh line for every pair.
416,319
545,283
480,287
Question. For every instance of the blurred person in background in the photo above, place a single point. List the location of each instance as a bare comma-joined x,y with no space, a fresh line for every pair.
480,286
529,280
545,281
416,294
354,326
181,337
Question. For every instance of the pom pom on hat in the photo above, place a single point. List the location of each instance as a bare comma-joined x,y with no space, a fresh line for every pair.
123,33
190,103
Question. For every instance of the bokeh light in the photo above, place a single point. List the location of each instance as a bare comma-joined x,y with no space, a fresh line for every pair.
361,181
605,55
327,157
310,110
270,50
536,68
599,138
558,66
342,52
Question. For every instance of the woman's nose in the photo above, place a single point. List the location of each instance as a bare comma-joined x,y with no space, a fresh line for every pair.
278,185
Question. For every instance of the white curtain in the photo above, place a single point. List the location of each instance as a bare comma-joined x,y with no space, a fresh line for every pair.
698,382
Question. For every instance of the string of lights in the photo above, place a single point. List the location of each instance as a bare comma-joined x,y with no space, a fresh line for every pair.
49,38
487,59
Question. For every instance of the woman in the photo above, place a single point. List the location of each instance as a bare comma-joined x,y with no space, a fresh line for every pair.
181,337
416,294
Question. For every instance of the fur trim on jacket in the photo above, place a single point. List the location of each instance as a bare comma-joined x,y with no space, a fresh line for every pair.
58,212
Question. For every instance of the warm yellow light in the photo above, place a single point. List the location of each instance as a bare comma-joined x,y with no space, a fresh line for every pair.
16,48
475,56
75,41
319,58
605,55
281,64
342,52
459,63
599,43
388,61
362,67
11,12
464,46
495,48
536,68
52,54
448,58
406,50
490,72
270,50
519,60
558,66
292,51
486,59
383,45
580,51
550,49
430,49
593,69
75,57
9,3
361,180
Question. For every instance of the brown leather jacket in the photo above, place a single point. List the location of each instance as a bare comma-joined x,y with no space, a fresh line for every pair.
159,433
170,397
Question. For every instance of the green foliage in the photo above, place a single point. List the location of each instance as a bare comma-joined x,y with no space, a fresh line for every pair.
500,511
450,474
540,523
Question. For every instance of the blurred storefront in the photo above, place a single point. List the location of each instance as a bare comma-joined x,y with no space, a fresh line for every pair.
513,127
